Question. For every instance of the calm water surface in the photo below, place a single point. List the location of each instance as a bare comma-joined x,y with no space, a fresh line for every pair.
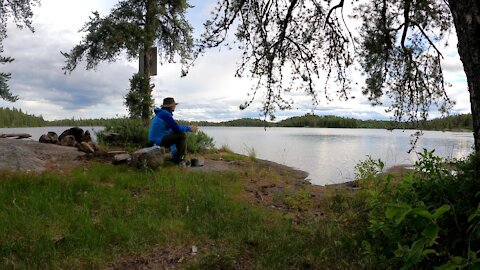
330,155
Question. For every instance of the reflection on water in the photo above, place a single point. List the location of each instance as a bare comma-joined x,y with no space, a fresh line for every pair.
330,155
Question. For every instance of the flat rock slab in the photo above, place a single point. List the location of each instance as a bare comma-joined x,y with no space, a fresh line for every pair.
21,155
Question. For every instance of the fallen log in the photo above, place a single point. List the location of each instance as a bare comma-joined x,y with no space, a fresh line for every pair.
18,135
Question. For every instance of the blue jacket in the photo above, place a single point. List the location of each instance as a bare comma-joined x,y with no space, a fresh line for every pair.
163,124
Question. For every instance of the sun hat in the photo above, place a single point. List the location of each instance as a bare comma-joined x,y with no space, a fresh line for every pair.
168,102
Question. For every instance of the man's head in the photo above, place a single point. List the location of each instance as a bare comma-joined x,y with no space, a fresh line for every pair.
169,102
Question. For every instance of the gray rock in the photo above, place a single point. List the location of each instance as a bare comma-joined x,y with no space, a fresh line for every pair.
68,140
151,157
93,145
85,147
50,137
153,149
114,153
121,158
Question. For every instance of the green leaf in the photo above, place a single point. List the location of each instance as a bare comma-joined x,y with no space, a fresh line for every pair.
474,215
423,213
428,251
440,211
398,212
400,251
431,233
447,266
472,255
457,260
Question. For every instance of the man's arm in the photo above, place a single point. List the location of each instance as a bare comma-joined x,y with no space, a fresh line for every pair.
171,123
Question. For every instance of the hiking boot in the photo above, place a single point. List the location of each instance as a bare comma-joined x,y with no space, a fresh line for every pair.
178,159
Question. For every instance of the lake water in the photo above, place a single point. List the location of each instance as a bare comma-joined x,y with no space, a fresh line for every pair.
328,155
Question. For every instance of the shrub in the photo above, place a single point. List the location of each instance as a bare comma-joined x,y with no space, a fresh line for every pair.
199,142
430,218
132,133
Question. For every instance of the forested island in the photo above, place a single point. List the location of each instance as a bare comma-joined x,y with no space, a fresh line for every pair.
461,122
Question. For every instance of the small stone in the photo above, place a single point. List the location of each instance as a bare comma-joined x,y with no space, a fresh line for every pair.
114,153
121,158
93,145
57,239
194,250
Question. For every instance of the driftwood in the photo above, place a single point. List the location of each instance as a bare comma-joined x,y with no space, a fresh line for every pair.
18,135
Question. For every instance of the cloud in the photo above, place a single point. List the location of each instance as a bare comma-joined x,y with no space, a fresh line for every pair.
209,92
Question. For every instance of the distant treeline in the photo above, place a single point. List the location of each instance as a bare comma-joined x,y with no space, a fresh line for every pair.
454,122
17,118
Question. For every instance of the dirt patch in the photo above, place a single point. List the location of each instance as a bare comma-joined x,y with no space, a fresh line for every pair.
159,258
32,156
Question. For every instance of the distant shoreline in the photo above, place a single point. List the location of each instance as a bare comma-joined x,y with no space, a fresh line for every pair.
458,123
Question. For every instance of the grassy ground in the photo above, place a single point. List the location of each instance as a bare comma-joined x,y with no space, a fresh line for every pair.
104,216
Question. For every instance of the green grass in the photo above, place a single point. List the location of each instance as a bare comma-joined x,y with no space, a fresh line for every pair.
96,215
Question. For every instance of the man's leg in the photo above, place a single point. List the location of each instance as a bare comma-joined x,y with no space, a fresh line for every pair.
180,141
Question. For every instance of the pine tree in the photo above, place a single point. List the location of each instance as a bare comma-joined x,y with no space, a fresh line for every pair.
21,11
134,26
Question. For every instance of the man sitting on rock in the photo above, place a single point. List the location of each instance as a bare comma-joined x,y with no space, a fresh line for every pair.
165,131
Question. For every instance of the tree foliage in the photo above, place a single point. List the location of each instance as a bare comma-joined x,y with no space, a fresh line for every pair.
300,44
128,29
131,27
21,13
138,100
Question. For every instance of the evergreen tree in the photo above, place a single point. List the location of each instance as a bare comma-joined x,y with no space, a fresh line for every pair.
139,100
134,26
21,12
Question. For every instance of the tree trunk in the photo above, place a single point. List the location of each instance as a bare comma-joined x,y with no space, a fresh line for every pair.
466,17
149,39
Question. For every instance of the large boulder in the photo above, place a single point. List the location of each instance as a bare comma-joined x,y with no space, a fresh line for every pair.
50,137
76,132
68,140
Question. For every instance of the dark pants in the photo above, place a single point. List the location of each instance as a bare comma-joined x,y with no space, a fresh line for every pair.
180,141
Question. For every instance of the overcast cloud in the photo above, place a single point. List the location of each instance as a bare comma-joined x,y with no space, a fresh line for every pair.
209,92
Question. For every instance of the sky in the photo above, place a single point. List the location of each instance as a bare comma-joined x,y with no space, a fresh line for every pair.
210,92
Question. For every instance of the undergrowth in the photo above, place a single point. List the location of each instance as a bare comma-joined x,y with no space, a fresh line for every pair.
428,219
